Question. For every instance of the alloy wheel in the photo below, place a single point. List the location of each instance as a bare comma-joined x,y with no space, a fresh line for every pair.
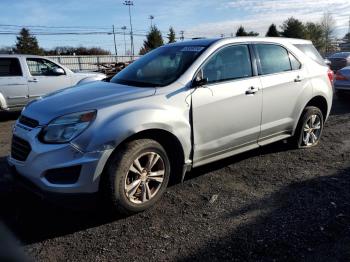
145,177
312,130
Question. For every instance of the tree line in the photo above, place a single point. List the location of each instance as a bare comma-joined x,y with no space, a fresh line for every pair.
320,33
27,43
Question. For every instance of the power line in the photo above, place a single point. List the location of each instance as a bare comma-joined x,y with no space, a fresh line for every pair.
69,33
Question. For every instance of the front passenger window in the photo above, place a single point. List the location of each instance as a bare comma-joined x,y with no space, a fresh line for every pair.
230,63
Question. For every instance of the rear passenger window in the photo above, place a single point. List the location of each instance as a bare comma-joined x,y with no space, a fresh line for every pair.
294,62
231,62
273,59
10,67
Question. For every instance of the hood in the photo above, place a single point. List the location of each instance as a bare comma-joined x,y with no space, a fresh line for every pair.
95,95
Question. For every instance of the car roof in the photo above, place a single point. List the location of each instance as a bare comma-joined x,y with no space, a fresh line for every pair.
210,41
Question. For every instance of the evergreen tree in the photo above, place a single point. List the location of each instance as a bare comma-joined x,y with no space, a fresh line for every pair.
241,31
293,28
153,40
27,43
171,35
272,31
314,32
252,33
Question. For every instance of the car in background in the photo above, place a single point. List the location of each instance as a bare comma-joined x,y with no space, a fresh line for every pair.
342,81
339,60
24,78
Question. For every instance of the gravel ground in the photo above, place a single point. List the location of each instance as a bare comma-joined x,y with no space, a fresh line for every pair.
273,203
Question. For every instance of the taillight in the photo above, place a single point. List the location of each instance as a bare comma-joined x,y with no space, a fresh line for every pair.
339,76
330,75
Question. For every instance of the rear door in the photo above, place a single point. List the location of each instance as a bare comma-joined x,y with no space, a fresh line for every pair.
42,80
13,85
283,80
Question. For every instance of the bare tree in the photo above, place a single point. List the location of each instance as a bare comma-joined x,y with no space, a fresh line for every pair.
328,27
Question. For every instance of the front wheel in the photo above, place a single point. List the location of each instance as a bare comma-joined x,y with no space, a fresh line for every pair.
138,175
309,128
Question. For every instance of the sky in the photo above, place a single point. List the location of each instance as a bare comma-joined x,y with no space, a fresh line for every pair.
197,18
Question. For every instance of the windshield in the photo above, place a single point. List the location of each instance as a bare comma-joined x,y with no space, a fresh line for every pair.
160,67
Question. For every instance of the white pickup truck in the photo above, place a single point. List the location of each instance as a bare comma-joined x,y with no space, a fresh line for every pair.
25,77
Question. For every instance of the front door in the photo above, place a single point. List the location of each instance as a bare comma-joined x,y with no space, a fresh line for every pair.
43,79
227,110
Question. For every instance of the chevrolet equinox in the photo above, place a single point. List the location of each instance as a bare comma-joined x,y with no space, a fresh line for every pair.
180,106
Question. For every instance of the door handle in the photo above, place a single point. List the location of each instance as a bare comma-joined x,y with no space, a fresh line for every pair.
33,80
251,90
298,79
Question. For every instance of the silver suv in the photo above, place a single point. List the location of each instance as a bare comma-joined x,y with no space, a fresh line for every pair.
182,105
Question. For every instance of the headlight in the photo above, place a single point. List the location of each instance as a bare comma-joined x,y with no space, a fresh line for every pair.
65,128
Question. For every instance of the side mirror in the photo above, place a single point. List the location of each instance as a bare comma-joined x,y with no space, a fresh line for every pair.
199,80
58,71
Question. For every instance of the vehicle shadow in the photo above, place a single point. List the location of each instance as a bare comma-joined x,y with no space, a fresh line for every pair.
32,219
280,146
305,221
7,116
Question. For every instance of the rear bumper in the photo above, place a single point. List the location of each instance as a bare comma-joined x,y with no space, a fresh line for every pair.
342,85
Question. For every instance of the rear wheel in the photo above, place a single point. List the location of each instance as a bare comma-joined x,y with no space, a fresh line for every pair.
138,175
310,127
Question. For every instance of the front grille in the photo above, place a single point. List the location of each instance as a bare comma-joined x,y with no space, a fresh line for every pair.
20,149
28,121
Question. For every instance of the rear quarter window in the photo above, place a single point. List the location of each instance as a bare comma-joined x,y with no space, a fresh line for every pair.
310,51
10,67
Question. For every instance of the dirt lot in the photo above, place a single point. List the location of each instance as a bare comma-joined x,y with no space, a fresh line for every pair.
273,203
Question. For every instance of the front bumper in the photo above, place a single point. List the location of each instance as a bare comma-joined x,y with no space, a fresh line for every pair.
44,157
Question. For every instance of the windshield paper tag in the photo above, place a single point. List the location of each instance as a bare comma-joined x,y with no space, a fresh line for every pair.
192,49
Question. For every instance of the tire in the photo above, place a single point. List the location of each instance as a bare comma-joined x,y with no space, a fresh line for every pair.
312,120
126,180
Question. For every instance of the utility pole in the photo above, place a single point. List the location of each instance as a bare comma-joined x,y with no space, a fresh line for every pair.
115,44
124,28
129,4
182,35
151,17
